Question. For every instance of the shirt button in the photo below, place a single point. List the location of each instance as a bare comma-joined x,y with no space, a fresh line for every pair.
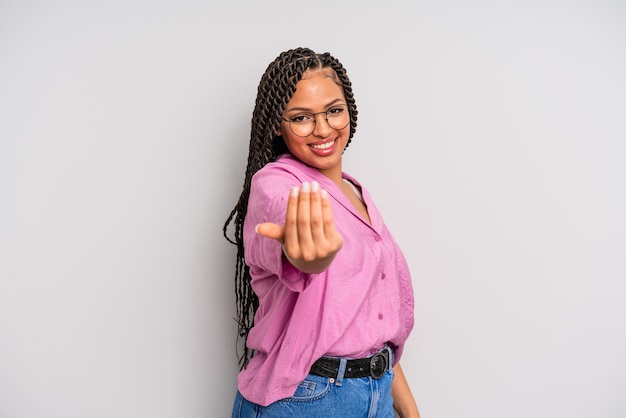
376,238
380,316
382,276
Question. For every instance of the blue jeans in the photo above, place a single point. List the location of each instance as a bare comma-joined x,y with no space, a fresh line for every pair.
316,396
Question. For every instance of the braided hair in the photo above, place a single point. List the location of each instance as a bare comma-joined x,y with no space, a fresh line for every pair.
277,86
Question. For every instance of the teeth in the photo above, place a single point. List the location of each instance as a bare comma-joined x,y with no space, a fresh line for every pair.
324,146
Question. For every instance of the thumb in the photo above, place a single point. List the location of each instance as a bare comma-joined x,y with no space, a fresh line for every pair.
271,230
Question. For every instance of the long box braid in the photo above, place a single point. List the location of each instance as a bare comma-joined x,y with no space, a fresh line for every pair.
275,89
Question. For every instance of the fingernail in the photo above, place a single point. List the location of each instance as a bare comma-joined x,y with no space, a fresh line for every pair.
306,187
294,192
315,186
256,228
324,194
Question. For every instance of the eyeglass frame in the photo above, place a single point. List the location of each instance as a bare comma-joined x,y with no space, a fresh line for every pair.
315,120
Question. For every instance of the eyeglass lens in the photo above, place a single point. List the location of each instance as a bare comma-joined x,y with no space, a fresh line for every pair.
304,125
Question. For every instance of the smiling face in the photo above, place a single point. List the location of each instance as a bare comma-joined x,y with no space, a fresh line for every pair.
317,93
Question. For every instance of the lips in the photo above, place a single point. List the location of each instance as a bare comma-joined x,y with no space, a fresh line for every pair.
324,148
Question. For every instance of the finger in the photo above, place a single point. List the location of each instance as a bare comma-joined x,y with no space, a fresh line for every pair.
317,217
290,238
271,230
329,222
304,217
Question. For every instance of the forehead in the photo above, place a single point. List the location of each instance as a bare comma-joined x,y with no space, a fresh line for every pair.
316,88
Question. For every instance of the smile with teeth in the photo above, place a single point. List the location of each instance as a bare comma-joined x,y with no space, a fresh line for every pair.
323,146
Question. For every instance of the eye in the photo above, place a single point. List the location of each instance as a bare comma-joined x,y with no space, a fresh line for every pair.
302,118
336,111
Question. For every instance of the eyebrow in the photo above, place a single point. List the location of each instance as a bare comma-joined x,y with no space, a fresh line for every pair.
305,109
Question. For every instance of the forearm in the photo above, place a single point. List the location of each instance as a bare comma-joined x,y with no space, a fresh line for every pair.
403,400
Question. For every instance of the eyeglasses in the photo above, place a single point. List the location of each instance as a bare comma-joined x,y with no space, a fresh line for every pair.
303,124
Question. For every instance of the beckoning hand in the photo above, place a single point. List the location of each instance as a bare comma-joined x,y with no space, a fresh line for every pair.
308,237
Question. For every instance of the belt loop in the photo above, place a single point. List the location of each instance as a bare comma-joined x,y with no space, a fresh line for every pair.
390,351
342,369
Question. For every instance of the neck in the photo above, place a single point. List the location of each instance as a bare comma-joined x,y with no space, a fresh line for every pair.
334,174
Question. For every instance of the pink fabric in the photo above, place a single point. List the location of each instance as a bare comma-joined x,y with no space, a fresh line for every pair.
363,300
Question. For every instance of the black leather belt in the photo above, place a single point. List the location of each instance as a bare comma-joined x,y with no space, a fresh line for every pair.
374,366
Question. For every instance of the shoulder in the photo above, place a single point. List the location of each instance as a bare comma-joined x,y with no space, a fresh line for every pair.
285,171
270,188
274,181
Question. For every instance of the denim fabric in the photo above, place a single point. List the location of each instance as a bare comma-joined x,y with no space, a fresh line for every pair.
318,396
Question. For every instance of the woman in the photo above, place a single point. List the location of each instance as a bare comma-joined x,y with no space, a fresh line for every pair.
324,294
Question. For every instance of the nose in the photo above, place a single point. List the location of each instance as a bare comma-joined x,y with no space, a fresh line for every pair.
322,128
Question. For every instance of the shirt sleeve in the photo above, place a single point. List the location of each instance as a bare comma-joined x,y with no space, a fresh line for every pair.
269,194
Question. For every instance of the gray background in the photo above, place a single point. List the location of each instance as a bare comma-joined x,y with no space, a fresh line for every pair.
491,134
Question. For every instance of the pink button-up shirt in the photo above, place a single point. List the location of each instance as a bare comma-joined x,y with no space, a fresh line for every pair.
362,301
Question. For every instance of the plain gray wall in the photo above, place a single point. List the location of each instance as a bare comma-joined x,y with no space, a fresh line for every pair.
491,134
